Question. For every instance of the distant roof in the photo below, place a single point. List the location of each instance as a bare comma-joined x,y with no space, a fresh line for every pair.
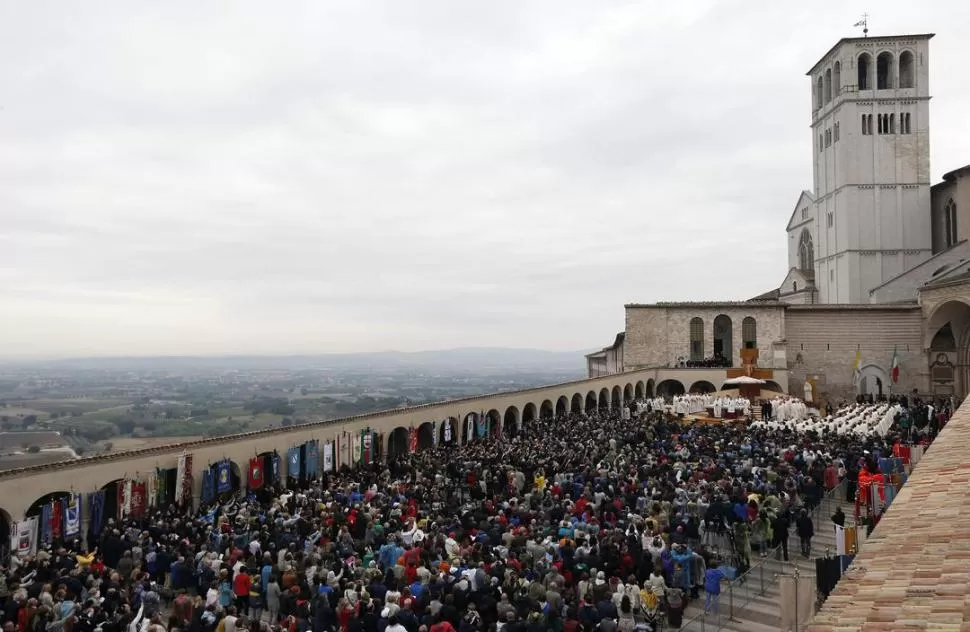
703,304
853,307
950,280
846,40
950,176
617,342
770,295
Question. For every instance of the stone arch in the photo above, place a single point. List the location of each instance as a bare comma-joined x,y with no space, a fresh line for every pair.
617,398
528,414
749,333
426,435
511,422
110,509
562,406
628,393
955,313
453,422
604,401
723,331
576,405
873,380
494,419
397,442
469,427
828,85
235,477
651,388
591,401
806,251
34,508
771,385
638,390
702,386
546,411
669,388
836,79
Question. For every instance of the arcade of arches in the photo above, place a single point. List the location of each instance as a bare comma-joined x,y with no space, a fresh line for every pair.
948,344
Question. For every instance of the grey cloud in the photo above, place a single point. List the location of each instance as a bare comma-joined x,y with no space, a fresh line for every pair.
185,178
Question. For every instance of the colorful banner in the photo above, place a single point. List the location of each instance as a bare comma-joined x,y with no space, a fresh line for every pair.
139,499
255,472
184,481
23,537
328,456
434,433
293,462
161,487
367,446
482,426
412,439
275,459
208,485
57,518
311,466
223,477
448,430
96,507
72,516
357,448
46,535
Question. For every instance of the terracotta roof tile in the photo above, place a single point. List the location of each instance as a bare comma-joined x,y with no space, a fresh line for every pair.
913,573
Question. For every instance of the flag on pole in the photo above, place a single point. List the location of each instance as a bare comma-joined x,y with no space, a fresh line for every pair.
856,375
895,369
860,23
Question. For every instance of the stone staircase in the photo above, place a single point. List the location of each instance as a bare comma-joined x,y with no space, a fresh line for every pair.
753,605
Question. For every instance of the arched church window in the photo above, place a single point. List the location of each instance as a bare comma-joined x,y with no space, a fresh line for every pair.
884,71
906,70
865,69
819,93
749,332
696,338
950,222
836,79
806,251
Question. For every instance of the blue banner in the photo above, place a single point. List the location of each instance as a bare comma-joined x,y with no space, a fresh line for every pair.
223,477
293,462
208,485
481,426
96,507
46,532
312,464
72,516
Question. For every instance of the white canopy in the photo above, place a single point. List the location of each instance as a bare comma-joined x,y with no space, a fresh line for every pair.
744,379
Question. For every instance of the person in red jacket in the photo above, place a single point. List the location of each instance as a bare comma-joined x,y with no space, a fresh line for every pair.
241,584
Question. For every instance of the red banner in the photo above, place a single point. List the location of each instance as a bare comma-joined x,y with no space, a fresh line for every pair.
256,473
57,518
139,499
413,439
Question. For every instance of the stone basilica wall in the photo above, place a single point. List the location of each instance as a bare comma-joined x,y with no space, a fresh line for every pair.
658,334
823,339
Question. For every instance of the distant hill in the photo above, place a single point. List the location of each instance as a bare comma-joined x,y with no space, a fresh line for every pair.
473,359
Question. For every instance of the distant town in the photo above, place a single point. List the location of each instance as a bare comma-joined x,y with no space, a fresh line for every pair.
64,410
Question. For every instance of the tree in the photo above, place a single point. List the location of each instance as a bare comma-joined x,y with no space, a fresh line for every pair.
27,421
287,421
125,426
55,415
34,449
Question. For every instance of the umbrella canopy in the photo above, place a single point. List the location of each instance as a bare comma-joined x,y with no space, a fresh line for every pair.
744,379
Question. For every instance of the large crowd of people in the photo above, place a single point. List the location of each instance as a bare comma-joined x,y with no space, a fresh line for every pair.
604,520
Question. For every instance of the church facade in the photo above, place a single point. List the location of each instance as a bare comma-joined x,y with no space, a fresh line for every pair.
878,257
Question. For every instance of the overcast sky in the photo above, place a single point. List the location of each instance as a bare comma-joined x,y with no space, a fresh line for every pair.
293,177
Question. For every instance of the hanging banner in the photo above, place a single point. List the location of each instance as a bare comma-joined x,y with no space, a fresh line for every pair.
223,477
208,485
57,518
367,451
413,439
139,499
184,480
447,423
311,467
72,516
470,426
46,536
357,443
293,463
482,426
23,537
126,498
434,433
255,473
277,465
96,507
161,487
328,456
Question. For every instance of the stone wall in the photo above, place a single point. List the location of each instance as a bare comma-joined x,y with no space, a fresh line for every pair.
823,339
657,335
